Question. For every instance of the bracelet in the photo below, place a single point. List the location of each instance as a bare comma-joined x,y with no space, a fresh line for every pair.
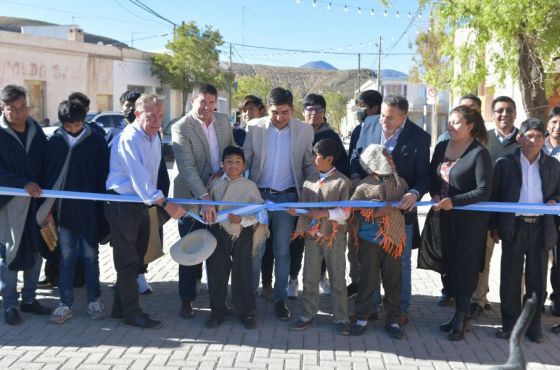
164,203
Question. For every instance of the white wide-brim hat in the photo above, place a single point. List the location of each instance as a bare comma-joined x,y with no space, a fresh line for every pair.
193,248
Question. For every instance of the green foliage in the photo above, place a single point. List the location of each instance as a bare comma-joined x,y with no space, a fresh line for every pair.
336,108
192,58
518,37
251,85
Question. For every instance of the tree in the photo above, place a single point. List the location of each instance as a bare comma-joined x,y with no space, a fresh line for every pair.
192,58
518,38
251,85
336,108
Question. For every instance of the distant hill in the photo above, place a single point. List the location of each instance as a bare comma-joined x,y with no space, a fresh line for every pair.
303,81
319,65
392,74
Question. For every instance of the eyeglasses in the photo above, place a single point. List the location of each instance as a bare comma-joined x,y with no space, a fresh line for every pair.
502,110
16,110
314,109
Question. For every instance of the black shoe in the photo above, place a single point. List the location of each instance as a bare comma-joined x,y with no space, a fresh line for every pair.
12,317
555,307
445,301
460,327
536,336
447,326
503,334
143,321
394,331
248,321
352,290
357,330
343,328
475,310
186,311
45,284
281,310
35,307
214,321
301,325
555,329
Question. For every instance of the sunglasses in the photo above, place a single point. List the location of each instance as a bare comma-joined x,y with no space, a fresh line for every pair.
314,109
502,110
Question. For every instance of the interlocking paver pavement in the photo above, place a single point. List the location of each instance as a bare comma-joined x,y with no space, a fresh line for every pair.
82,343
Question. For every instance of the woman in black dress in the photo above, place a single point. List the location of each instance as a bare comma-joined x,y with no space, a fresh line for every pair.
461,174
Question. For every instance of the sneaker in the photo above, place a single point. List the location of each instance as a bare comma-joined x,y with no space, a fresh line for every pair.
96,310
61,314
281,310
301,325
292,288
325,285
143,286
342,328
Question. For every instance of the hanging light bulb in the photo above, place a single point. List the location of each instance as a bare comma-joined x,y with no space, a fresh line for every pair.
385,12
298,1
314,3
359,10
397,14
371,12
329,6
409,15
345,8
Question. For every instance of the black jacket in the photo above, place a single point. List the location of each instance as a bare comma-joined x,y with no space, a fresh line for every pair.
507,188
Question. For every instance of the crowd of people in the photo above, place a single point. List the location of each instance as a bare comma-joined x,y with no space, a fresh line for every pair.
275,157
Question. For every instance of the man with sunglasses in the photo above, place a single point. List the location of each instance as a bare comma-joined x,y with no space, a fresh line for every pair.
501,142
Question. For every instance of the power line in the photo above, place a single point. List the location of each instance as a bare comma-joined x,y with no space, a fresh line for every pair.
143,6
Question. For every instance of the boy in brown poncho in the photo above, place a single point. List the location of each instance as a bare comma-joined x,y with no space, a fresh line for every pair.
325,238
238,238
381,235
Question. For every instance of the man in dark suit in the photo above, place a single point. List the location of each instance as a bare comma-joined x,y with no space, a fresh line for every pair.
409,146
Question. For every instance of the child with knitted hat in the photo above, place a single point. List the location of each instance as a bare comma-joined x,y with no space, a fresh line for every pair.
381,237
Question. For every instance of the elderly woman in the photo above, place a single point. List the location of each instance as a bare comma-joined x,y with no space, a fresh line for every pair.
461,174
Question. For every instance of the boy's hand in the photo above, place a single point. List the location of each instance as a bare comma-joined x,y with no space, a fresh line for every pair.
33,189
551,202
234,219
209,214
292,211
383,211
317,214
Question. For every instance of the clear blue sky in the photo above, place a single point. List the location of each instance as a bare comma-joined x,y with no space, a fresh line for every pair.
287,24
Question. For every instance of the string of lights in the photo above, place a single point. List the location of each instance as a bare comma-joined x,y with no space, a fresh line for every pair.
333,5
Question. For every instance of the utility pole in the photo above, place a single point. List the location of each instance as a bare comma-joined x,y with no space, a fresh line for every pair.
359,72
230,80
379,65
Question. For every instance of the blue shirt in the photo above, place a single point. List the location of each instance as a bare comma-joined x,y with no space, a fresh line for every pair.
134,164
368,231
277,166
391,142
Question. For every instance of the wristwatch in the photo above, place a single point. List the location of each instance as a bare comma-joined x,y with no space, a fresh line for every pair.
164,203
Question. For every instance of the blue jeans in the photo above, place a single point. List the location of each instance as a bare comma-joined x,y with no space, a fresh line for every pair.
406,274
71,244
282,225
8,283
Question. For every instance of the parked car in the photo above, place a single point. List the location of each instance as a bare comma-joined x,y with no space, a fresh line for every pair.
167,142
107,120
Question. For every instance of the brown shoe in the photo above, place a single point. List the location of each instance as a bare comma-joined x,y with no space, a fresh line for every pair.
403,320
186,311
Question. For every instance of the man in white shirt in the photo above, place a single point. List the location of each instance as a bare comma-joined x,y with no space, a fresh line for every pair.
134,163
526,176
199,139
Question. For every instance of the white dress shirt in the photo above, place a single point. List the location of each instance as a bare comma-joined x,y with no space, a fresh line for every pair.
531,184
134,164
212,139
277,167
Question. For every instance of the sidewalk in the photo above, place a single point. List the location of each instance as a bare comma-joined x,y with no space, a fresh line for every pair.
82,343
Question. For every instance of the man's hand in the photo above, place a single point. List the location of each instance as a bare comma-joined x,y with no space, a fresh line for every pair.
408,202
317,214
234,219
174,210
446,204
209,214
33,189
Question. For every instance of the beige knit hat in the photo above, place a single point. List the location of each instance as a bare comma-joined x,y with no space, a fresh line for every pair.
373,161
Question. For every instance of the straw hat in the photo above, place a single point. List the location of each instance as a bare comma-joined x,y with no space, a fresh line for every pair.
193,248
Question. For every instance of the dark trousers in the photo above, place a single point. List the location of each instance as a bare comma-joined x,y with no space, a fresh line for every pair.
555,275
373,259
188,275
525,249
233,256
267,262
130,233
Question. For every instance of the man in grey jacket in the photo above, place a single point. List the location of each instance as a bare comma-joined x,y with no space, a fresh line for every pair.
199,139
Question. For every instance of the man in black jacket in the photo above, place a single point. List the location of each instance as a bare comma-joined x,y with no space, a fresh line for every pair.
22,149
526,176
